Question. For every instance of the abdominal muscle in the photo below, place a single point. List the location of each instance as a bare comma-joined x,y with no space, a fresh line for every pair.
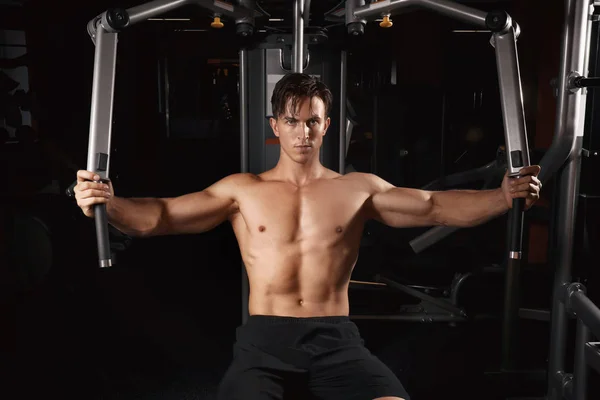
299,279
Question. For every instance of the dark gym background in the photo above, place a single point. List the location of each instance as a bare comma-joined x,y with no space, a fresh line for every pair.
160,325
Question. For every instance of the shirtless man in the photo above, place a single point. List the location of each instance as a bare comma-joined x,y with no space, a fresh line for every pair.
299,227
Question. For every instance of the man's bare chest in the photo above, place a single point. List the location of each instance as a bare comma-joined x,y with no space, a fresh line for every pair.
290,213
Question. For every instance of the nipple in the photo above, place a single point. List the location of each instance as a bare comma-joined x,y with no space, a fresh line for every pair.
338,229
261,228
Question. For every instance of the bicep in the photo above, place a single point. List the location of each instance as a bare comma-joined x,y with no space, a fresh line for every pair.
200,211
404,207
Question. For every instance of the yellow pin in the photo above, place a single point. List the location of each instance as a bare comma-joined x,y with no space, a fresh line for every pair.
216,23
387,22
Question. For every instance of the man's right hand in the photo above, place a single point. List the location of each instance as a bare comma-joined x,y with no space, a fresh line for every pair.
90,191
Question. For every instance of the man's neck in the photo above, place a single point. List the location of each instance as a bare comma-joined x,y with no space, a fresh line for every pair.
296,173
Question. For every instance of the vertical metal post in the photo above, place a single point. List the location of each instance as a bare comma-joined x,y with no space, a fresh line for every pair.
243,110
375,132
167,97
570,126
298,36
244,166
342,147
580,370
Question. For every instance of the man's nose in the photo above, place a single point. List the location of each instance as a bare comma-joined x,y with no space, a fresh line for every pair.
306,131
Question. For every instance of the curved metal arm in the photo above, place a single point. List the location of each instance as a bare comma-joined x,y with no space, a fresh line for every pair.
459,178
240,13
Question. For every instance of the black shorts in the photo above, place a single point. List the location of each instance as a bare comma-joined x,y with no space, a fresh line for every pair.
305,358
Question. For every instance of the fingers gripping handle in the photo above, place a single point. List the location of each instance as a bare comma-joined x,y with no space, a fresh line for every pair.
102,237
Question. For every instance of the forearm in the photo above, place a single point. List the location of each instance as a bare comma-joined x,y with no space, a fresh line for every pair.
136,216
467,208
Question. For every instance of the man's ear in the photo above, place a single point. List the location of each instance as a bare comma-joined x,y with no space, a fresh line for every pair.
273,123
327,122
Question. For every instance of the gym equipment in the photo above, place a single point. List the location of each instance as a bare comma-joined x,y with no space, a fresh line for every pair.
440,303
490,174
104,30
563,158
256,75
505,32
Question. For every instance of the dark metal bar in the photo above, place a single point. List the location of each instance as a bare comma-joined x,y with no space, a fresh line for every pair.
298,37
592,355
586,311
422,296
533,314
568,186
512,288
115,20
154,8
431,237
580,370
374,147
448,8
482,173
306,12
244,153
243,90
342,143
421,317
582,82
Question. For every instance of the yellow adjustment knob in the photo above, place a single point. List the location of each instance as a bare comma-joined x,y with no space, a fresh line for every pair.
387,22
217,23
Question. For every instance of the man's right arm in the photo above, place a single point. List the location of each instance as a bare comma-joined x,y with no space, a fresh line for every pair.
190,213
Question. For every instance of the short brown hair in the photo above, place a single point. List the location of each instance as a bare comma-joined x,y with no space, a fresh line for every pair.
295,86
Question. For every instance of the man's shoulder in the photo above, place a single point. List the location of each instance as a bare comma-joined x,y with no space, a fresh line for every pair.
241,178
235,182
368,181
362,177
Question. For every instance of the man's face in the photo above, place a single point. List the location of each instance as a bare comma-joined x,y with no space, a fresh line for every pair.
301,134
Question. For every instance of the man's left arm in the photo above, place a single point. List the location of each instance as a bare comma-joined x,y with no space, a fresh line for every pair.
402,207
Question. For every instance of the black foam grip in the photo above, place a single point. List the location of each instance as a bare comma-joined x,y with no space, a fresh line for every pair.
101,220
512,301
516,224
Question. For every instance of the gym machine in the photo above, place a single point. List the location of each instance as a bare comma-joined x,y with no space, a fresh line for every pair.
104,30
563,158
505,33
259,69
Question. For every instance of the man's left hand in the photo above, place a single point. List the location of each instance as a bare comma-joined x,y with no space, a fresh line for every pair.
526,186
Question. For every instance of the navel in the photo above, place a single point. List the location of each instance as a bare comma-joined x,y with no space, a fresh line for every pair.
300,302
338,229
261,228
